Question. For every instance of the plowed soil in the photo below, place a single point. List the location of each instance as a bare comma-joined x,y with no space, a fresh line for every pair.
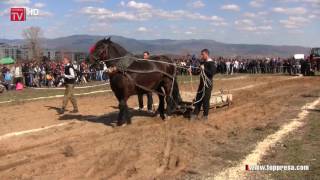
88,146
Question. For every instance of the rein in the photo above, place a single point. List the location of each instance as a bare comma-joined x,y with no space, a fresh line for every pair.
206,84
152,60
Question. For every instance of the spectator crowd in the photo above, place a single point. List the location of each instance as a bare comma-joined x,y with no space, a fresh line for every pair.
49,73
231,66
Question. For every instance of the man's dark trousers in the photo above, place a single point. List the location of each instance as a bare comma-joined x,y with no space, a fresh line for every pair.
204,102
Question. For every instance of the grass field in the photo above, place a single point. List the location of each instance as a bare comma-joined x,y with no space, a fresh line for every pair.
36,93
87,144
300,148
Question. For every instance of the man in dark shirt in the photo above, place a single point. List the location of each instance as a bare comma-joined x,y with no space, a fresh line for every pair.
146,56
208,67
69,79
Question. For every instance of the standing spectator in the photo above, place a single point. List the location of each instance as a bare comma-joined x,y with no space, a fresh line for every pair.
69,76
82,73
236,66
105,74
228,65
8,79
18,77
146,56
100,71
4,70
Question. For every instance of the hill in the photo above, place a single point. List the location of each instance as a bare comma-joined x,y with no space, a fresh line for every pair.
168,46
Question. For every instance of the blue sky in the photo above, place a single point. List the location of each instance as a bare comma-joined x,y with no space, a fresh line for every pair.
278,22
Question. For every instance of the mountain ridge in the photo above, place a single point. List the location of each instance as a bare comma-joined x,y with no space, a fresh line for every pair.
82,42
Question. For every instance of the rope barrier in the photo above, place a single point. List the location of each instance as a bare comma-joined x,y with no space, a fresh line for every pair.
83,87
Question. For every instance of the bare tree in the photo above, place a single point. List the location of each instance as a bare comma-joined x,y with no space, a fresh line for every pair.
32,37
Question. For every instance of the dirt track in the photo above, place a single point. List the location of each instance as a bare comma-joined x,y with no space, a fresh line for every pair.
89,148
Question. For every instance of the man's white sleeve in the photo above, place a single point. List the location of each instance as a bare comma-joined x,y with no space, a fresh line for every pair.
71,76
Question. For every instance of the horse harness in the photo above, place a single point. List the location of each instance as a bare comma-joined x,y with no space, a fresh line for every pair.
123,66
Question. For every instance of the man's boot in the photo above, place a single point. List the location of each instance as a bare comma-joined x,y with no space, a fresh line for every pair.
61,111
75,111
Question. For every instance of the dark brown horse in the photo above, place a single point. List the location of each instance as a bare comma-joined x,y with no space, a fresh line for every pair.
138,77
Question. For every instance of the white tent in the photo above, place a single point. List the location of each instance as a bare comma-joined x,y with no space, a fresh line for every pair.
298,56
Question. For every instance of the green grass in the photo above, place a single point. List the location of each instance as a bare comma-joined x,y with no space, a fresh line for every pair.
33,93
301,148
29,93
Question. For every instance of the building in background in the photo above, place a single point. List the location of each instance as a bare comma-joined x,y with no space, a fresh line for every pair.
50,54
17,52
21,52
73,55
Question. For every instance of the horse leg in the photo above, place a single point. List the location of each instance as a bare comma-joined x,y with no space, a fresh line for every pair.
124,113
127,115
170,106
161,107
169,99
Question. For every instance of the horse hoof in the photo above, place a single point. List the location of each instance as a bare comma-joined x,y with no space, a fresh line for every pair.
121,124
166,118
162,116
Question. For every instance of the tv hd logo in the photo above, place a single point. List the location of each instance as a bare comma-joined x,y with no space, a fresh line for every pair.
20,14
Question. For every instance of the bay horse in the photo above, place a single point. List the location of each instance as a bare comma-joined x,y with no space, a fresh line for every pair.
140,77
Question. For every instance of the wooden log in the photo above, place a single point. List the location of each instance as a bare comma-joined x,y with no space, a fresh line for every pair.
217,99
222,99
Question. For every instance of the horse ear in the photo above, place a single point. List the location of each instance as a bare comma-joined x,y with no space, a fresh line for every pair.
108,39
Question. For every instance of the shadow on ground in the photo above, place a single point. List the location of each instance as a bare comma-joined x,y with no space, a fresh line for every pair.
109,119
314,110
53,108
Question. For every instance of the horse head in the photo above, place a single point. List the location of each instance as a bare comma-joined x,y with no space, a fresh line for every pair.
105,49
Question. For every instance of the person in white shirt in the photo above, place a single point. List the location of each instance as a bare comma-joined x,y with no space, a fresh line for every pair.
70,78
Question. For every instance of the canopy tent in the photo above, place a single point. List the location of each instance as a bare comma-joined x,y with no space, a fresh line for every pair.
7,60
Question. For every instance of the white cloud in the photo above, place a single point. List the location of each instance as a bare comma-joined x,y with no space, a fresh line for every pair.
196,4
290,11
230,7
265,28
142,29
295,22
251,26
122,3
256,3
263,13
249,15
89,1
308,2
17,2
244,22
147,14
99,27
136,5
4,12
43,13
106,14
39,5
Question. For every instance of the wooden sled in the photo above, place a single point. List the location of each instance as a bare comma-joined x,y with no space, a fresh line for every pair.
218,100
